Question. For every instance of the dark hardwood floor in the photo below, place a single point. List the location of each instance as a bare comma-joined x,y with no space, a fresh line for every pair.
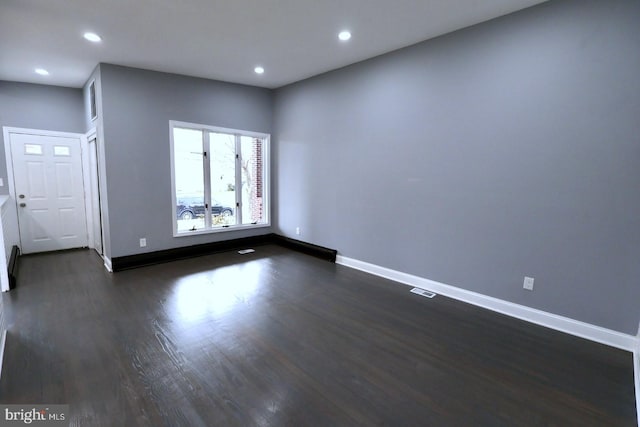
278,338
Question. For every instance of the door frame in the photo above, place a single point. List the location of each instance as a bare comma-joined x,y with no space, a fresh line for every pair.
86,159
7,131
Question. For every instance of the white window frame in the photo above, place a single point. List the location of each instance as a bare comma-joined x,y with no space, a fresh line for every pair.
266,185
93,103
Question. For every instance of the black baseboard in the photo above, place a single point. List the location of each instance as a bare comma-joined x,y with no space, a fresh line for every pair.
307,248
12,268
151,258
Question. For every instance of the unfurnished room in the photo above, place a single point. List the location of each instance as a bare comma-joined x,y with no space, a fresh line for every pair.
318,213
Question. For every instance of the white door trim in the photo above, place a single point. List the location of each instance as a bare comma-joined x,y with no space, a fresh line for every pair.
86,183
86,178
7,131
636,373
88,167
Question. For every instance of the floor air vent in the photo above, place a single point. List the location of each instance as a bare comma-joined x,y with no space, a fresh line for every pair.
423,293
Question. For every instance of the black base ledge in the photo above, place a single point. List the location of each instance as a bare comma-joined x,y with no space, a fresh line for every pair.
158,257
12,268
307,248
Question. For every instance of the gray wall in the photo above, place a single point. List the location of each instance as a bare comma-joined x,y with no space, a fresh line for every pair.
37,107
511,148
137,106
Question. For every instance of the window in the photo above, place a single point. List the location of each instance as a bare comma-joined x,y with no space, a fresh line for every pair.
92,100
34,149
61,150
219,179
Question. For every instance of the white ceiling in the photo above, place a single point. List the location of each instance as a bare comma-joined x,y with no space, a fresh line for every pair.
221,39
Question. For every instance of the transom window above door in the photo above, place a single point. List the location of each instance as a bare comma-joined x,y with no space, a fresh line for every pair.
219,180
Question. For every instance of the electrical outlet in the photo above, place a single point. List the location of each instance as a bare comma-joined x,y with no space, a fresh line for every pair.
298,231
528,283
143,242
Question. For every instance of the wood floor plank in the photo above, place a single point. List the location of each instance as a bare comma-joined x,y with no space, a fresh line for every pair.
280,338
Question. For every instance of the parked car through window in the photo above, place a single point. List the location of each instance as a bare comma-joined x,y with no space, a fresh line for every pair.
192,207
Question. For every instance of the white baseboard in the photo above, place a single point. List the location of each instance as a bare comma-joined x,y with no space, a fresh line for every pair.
108,265
3,341
539,317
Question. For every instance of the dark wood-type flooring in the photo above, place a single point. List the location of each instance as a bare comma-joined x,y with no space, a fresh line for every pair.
278,338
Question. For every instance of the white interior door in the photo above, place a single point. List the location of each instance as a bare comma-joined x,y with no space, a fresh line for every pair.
47,173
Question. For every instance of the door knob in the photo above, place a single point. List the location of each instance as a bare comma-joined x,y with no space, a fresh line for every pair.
21,196
22,205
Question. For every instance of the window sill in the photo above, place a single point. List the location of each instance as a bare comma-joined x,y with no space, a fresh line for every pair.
220,230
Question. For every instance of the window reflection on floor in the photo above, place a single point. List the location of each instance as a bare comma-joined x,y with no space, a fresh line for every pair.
214,293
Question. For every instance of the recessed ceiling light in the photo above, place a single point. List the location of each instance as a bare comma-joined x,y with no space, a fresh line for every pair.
259,70
344,35
92,37
42,71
